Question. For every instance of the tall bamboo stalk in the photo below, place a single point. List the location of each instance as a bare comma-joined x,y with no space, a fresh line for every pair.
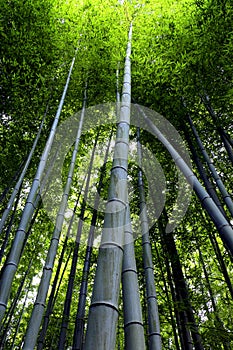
173,323
56,285
133,325
181,288
16,250
39,305
20,317
153,314
223,227
79,320
70,286
103,313
181,319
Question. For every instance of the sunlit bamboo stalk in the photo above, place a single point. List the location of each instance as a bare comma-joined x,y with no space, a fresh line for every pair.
103,313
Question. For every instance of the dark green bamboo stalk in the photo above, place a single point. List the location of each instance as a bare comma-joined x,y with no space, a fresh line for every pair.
79,320
218,181
8,316
39,305
181,319
208,184
16,250
218,321
223,227
70,286
103,314
20,317
173,323
180,286
226,140
53,294
133,325
153,314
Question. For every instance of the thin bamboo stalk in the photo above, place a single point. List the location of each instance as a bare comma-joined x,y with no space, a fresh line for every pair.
208,184
79,320
103,313
218,181
181,320
182,293
55,287
70,286
20,317
219,323
16,250
133,325
159,260
153,314
223,227
39,305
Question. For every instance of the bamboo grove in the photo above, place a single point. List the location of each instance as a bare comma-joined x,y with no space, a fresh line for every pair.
116,175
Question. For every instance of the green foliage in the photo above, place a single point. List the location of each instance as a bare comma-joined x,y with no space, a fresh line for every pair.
179,49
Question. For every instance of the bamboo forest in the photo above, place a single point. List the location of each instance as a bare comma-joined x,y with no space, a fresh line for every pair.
116,142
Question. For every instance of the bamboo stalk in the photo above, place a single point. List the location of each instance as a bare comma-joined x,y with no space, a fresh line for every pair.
17,247
103,313
133,325
218,181
39,305
223,227
153,314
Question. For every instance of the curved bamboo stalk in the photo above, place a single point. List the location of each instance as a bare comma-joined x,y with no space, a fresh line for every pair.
39,305
153,314
218,181
133,325
16,250
103,313
223,227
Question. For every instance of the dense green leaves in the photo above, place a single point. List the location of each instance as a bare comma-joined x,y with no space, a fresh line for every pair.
181,63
